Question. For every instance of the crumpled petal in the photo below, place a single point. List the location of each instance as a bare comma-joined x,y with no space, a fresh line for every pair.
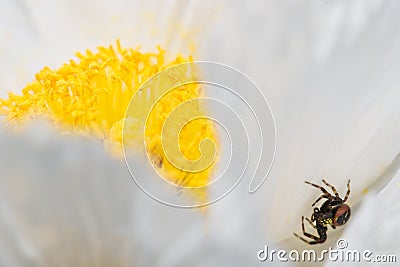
375,228
63,202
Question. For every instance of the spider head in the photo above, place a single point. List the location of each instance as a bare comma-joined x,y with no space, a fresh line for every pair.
341,215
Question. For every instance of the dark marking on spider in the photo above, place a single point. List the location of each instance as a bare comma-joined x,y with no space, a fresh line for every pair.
333,212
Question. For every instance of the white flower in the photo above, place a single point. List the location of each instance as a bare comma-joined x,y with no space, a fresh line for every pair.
329,71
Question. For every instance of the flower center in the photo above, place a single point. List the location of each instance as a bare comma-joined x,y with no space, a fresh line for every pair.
90,97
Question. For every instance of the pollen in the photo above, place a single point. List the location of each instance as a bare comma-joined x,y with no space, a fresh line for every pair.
89,96
327,221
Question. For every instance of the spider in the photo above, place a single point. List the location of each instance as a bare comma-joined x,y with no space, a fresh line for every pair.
333,212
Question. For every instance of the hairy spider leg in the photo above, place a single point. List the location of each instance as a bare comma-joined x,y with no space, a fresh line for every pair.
318,199
319,187
326,193
317,240
332,187
348,192
310,222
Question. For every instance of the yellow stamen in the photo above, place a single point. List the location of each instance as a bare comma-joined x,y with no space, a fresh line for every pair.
90,97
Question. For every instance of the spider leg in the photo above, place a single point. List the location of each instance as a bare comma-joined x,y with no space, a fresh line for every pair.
318,199
317,240
329,196
304,230
302,238
310,222
332,187
348,192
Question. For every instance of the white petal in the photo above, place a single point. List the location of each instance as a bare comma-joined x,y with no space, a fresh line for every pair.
58,208
374,227
329,70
